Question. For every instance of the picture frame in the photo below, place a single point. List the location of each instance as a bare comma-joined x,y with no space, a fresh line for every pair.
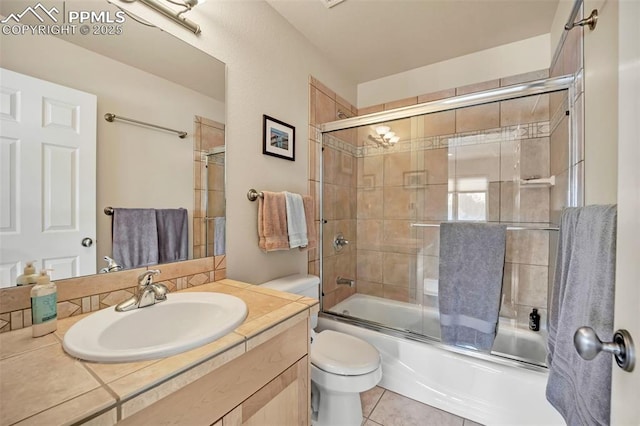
279,138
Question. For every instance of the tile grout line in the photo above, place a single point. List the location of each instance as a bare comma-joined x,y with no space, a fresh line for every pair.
376,404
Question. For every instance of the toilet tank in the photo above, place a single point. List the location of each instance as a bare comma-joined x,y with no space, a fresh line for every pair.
302,284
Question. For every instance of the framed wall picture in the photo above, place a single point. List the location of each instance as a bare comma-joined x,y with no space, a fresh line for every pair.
279,138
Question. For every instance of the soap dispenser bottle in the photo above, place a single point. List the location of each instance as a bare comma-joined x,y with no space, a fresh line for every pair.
534,320
29,276
44,305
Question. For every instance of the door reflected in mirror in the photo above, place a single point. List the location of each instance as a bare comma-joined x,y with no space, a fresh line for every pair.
52,184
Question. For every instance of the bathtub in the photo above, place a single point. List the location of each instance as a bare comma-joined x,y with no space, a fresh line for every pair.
487,389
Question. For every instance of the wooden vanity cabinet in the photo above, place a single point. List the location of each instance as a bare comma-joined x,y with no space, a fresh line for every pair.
267,385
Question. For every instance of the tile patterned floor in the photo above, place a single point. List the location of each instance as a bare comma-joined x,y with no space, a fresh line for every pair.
381,407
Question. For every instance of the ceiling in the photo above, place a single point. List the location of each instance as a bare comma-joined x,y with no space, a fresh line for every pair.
371,39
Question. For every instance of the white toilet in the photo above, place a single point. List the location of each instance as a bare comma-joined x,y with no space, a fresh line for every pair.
342,366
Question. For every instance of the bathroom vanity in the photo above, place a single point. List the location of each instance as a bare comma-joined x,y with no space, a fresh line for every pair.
258,374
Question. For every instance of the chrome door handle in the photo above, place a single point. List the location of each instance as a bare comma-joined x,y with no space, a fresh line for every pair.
588,345
87,242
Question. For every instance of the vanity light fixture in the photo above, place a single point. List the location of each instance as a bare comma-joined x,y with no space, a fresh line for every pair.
178,17
385,137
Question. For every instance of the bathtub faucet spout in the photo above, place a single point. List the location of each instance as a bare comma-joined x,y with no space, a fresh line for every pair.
345,281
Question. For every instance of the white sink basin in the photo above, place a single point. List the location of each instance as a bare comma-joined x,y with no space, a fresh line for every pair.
184,321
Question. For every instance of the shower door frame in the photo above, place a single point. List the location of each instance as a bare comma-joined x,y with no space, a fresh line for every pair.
537,87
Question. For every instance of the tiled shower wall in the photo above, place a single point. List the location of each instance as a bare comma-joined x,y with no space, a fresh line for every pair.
208,134
409,183
339,207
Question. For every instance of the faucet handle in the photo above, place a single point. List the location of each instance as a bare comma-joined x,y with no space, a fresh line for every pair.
147,278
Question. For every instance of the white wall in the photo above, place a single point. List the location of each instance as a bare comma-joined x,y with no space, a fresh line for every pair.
136,166
268,68
557,27
510,59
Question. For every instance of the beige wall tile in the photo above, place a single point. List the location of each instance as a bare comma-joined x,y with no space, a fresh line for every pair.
400,203
370,288
181,269
439,123
534,159
74,288
322,87
343,203
370,234
400,237
478,117
572,51
397,269
371,171
523,204
532,285
210,137
399,293
478,161
312,105
370,109
329,275
494,202
369,204
558,197
559,148
438,165
434,96
328,300
477,87
325,108
369,265
531,109
435,202
523,78
401,103
395,166
529,247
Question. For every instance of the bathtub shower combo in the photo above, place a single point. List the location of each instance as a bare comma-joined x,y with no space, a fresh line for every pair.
389,179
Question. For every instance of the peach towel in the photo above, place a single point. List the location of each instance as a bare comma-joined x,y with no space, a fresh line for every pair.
272,222
309,214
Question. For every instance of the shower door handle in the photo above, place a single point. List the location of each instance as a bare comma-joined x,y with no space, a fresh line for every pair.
588,345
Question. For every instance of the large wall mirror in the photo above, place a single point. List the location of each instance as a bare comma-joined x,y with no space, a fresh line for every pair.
55,93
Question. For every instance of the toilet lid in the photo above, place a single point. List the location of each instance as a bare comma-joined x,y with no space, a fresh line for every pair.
339,353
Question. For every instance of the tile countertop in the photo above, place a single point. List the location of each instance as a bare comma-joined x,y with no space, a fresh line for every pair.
41,384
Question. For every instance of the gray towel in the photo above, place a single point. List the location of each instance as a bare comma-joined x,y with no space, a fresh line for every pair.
583,295
219,230
471,269
173,235
135,237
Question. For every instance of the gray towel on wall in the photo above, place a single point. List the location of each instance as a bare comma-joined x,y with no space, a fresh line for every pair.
219,232
583,295
173,235
135,237
471,269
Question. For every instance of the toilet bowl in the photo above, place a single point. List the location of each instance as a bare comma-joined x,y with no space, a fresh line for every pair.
342,366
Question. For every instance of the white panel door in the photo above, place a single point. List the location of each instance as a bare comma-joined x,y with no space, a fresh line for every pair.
612,96
48,169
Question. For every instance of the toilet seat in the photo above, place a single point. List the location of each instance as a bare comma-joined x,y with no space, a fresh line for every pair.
341,354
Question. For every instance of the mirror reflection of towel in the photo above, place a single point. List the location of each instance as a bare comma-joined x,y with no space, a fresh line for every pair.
173,235
135,237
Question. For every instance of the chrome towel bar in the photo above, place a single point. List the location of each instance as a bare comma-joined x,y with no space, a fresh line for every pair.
509,228
253,195
110,117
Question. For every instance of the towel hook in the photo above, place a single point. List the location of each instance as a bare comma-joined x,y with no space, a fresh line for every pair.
588,345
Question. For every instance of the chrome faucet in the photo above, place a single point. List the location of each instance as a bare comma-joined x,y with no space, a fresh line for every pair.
148,293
